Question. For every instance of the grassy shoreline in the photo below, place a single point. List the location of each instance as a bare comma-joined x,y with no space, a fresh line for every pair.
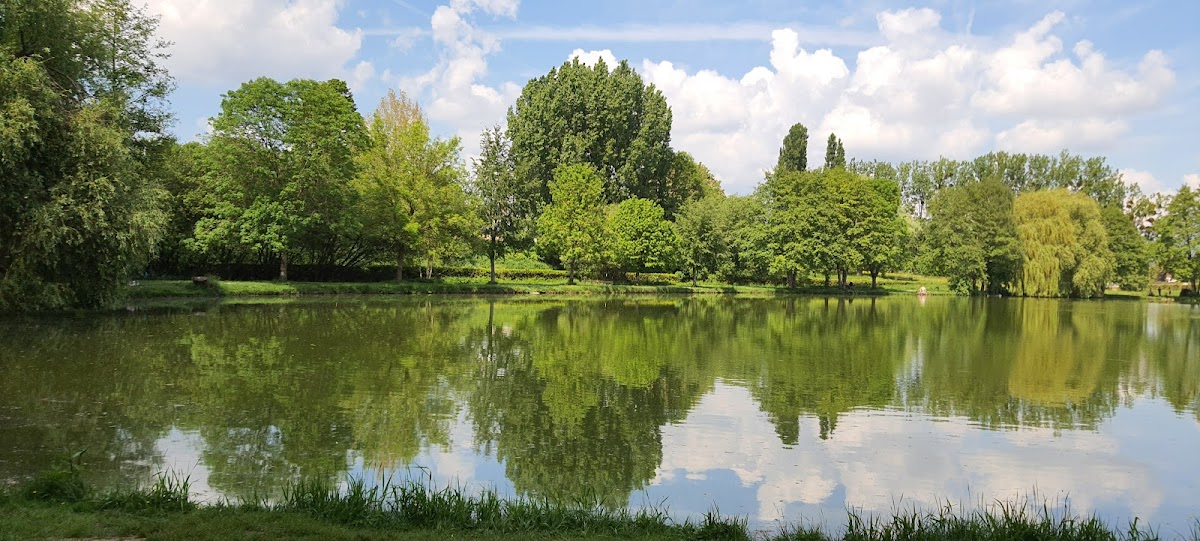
183,289
59,505
903,285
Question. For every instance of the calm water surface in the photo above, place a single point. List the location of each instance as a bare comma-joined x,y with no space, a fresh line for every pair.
776,409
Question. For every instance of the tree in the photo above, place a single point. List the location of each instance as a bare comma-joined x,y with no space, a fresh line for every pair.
1131,261
746,236
687,180
572,225
1064,244
1179,236
1048,241
805,224
506,201
410,186
641,237
973,238
793,155
184,175
703,232
880,232
835,153
282,161
82,97
833,222
590,114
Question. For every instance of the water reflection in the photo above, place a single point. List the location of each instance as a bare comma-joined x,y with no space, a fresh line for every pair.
767,407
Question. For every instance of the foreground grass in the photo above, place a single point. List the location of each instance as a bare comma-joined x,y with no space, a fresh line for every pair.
162,289
60,506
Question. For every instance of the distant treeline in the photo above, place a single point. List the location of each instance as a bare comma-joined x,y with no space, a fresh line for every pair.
581,177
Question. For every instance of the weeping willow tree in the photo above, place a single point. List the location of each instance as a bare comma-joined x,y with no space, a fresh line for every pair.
1063,243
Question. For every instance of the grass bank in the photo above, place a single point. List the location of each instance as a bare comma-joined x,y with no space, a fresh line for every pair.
164,289
61,506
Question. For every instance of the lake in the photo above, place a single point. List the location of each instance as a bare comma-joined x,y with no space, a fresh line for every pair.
779,409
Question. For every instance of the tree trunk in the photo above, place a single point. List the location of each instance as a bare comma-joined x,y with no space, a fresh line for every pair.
492,258
693,276
826,278
491,353
571,274
791,279
283,265
874,281
399,263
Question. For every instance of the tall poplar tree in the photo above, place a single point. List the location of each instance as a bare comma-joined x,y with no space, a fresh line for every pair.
835,152
608,118
793,155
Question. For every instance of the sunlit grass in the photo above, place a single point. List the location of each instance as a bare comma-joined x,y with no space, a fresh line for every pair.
63,506
167,289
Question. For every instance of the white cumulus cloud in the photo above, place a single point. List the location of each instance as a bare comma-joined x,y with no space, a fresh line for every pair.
1029,77
921,94
453,92
1050,135
226,42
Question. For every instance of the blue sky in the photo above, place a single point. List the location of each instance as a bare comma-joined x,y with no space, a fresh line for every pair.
896,81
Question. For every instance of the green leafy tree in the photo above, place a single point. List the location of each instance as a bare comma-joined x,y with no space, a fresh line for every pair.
687,180
835,153
1047,241
833,222
1179,236
282,157
506,202
1064,244
572,225
184,175
410,187
746,236
641,238
793,155
83,102
1145,210
703,233
973,238
604,117
881,233
805,223
1131,254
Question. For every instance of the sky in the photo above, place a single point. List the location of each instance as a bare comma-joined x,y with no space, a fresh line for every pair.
895,81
